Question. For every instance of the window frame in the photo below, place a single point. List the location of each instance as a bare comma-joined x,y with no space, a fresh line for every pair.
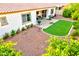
2,25
52,10
26,18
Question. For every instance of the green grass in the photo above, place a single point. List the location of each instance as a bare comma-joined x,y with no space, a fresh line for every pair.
59,28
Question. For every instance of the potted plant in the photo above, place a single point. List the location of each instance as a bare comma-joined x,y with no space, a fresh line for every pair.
39,22
50,17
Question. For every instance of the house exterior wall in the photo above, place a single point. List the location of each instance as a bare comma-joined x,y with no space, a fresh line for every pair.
59,12
15,21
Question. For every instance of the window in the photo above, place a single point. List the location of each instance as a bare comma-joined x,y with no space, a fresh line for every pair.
58,8
44,13
37,12
26,18
3,21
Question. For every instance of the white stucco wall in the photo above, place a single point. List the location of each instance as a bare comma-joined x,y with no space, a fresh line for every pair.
59,12
33,17
48,12
14,22
54,11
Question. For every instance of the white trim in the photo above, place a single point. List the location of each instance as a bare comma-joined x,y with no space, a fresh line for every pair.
27,23
70,31
6,21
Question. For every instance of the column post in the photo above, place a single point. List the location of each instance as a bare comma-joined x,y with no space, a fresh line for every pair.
48,12
33,17
54,11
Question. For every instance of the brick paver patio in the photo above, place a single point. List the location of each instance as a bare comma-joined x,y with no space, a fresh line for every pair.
31,42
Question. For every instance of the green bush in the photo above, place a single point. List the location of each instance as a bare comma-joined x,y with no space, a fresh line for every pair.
39,22
67,13
50,17
71,11
28,26
77,31
18,31
6,49
13,33
76,28
62,47
6,36
1,40
74,33
31,25
75,15
23,29
76,25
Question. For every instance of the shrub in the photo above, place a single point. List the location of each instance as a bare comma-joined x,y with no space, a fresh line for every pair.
50,17
75,15
23,29
6,49
13,33
1,40
71,11
76,28
77,31
76,25
74,33
59,47
6,36
31,25
67,13
27,26
39,22
18,31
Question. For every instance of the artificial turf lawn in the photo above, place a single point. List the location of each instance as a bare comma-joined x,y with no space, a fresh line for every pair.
59,28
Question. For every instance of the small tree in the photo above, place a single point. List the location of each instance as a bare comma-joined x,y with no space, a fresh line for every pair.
67,13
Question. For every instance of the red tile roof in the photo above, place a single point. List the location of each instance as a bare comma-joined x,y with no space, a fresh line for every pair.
14,7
